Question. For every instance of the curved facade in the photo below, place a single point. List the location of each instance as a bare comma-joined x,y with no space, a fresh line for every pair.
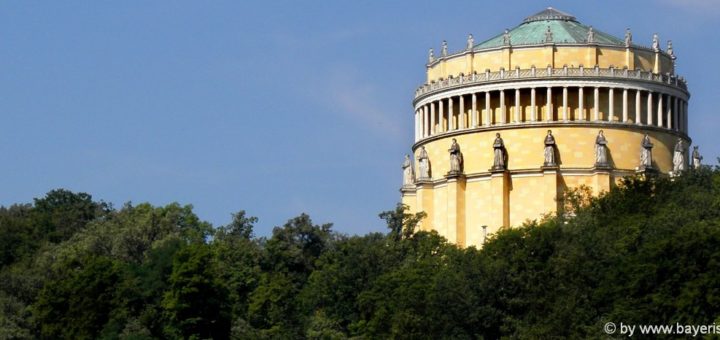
549,73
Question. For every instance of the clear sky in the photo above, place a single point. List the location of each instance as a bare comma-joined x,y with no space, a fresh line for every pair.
276,108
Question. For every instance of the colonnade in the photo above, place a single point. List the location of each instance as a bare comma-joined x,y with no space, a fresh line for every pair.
551,104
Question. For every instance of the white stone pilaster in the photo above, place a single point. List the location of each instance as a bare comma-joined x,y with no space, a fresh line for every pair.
625,106
638,108
474,113
502,107
518,108
488,114
581,103
660,110
565,104
649,108
533,109
611,105
462,113
668,112
548,105
596,104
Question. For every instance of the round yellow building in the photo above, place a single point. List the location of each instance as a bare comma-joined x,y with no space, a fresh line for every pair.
550,73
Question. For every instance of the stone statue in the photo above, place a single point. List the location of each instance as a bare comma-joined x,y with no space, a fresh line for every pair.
656,43
423,164
499,153
431,55
444,51
408,174
548,35
506,37
670,48
470,42
696,158
601,159
591,35
628,37
549,150
646,153
679,157
455,158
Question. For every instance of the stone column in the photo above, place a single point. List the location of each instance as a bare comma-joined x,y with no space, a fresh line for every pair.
518,108
441,118
611,105
417,125
474,113
596,104
461,113
649,109
625,106
548,105
502,107
668,112
488,114
660,110
638,108
565,104
533,109
426,121
676,120
581,103
452,124
432,119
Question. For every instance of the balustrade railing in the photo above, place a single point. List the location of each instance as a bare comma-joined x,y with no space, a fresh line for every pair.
539,73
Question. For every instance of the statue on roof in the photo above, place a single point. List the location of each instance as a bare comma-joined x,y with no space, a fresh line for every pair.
591,35
444,51
656,43
601,158
431,55
628,37
408,174
696,158
470,42
670,48
506,37
423,164
646,153
548,35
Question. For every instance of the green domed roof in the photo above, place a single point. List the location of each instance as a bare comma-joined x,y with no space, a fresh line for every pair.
564,27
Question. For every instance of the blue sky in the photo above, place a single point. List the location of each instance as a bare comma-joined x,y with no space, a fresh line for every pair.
274,107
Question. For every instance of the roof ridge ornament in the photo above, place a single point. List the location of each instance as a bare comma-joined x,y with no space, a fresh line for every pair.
548,35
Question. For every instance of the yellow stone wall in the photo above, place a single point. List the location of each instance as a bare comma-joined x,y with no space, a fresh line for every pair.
556,56
458,209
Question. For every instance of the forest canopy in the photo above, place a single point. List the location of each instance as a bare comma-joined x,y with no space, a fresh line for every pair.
646,253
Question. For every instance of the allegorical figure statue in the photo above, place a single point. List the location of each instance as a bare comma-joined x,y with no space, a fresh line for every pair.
431,55
499,153
550,150
628,37
646,153
655,42
470,42
455,158
696,158
601,159
591,35
408,174
679,157
444,50
423,164
506,37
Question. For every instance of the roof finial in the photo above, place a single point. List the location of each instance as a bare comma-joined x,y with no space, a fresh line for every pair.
548,35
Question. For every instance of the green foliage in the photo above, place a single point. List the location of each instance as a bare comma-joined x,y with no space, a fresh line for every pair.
645,253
